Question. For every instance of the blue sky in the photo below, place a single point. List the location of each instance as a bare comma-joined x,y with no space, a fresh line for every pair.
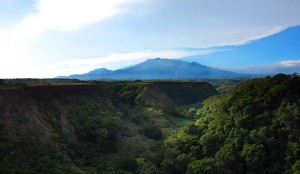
47,38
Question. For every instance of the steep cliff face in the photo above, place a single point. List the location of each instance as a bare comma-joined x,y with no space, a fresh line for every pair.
35,124
155,97
54,125
186,92
27,107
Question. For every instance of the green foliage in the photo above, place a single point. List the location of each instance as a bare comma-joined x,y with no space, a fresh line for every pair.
254,155
146,167
253,128
203,166
126,93
152,132
190,111
81,128
30,155
96,128
128,164
296,167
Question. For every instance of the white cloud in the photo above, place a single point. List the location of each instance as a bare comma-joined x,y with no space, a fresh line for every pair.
288,63
13,58
257,33
65,15
286,66
49,15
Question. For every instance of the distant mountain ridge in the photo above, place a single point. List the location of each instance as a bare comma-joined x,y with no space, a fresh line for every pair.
90,75
100,71
159,69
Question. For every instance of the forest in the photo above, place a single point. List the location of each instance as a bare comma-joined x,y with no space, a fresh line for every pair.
151,127
254,128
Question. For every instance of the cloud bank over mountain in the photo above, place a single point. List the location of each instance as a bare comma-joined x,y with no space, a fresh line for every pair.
287,66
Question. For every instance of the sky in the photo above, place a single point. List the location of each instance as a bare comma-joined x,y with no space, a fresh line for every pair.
48,38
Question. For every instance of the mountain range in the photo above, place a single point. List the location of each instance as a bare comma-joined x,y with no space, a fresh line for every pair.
159,69
277,53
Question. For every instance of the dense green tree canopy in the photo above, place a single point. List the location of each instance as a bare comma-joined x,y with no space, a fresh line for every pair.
254,128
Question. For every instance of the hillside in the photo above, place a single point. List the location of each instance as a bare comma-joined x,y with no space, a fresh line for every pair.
162,69
74,127
254,128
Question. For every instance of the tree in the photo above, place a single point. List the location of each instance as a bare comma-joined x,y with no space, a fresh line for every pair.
203,166
254,155
146,167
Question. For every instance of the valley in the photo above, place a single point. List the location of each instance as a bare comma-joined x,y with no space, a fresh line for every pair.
79,127
149,87
149,127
